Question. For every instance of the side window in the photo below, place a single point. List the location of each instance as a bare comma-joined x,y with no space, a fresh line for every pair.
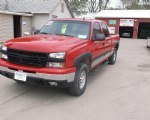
96,29
105,29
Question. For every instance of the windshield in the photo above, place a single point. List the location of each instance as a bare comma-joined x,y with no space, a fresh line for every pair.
77,29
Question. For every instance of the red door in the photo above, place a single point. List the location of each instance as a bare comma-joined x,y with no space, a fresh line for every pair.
107,42
98,46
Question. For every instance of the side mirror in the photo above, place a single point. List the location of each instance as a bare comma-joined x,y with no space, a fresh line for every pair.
99,37
36,31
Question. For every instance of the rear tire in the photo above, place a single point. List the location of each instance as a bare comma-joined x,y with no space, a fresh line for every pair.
112,59
79,85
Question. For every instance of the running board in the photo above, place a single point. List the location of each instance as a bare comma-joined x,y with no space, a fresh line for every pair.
99,67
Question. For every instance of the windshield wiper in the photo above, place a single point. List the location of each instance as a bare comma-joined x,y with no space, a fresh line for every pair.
65,35
44,33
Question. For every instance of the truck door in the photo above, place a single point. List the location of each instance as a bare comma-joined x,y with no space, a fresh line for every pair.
98,46
107,42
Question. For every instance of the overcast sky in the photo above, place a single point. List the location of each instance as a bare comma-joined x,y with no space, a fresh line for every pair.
114,3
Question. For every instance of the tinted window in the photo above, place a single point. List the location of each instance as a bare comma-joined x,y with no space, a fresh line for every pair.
105,29
77,29
96,29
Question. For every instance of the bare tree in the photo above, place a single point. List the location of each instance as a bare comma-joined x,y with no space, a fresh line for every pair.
83,6
78,6
146,2
94,5
136,4
129,2
106,3
97,5
126,3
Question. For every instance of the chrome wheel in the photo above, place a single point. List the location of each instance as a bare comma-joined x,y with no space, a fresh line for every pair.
114,57
82,79
79,85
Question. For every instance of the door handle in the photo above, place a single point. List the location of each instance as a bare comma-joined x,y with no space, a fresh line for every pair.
103,44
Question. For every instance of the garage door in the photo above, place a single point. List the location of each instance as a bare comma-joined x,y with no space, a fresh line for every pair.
6,27
126,32
144,30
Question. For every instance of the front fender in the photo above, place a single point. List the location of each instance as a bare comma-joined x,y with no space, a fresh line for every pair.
82,57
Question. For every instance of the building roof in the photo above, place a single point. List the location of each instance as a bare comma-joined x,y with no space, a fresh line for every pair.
29,6
123,14
35,6
14,13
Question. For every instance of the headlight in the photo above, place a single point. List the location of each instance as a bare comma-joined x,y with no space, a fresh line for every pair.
56,60
3,50
59,55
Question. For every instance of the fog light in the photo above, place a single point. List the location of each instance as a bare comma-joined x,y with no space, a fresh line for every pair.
55,65
53,83
4,56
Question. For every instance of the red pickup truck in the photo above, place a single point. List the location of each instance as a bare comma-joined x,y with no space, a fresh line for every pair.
61,54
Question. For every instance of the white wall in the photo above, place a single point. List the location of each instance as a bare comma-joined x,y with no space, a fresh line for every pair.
6,27
39,20
57,11
26,25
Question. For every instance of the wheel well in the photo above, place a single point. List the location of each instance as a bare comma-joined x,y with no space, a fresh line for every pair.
86,61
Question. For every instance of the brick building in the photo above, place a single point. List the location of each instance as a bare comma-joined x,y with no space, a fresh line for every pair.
127,23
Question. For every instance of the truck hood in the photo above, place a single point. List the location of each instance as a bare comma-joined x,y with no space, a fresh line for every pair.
45,43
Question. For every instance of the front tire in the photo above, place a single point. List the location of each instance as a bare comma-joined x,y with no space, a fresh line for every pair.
79,85
112,59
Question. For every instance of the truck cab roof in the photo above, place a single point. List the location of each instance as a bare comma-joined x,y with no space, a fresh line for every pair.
79,19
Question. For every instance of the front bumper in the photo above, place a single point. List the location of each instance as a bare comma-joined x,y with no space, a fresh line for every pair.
41,79
42,76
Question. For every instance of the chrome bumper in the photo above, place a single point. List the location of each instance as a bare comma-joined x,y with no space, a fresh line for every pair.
55,77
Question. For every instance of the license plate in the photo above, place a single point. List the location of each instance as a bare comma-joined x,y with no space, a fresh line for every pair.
20,76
